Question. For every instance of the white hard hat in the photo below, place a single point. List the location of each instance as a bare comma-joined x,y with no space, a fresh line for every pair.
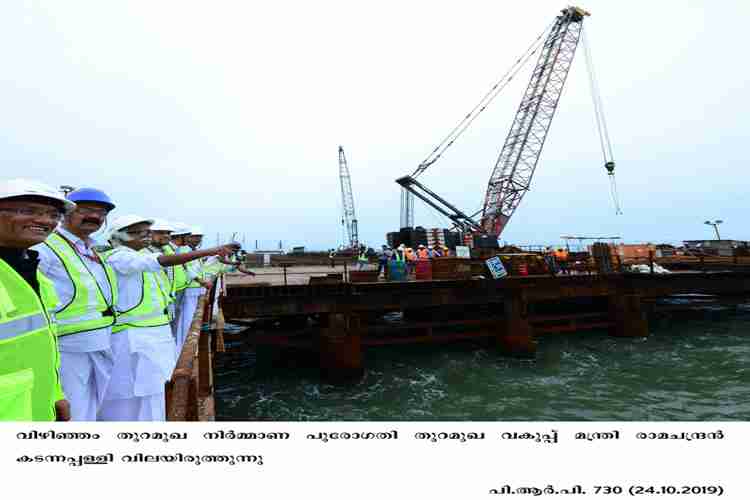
161,225
14,188
180,229
124,221
197,231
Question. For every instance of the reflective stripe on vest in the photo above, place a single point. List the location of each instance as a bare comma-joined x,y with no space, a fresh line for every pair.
29,360
84,311
22,326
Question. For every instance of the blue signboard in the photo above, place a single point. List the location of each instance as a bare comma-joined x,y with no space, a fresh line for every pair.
496,268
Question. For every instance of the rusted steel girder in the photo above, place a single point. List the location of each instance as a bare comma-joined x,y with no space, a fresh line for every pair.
275,301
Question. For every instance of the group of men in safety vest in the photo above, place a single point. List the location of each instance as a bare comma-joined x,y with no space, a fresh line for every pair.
89,334
402,253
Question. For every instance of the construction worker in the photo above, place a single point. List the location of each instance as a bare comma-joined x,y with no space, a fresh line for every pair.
422,253
142,342
561,256
182,277
437,252
87,289
160,232
400,253
383,260
362,259
550,258
30,386
195,288
411,259
331,257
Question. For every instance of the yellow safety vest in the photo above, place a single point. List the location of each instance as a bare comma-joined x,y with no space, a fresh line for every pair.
151,310
177,274
197,267
29,360
88,309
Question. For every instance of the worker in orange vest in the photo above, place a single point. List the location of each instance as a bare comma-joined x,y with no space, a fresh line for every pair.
561,256
411,259
422,253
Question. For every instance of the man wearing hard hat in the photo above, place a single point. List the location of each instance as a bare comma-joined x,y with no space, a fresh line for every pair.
87,288
29,381
183,275
160,233
195,288
142,341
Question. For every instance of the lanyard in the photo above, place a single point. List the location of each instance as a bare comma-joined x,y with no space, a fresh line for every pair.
98,260
93,258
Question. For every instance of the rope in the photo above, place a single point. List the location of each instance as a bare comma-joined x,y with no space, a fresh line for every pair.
462,125
601,124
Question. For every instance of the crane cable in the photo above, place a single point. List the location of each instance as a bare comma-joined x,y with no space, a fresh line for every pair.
459,129
601,125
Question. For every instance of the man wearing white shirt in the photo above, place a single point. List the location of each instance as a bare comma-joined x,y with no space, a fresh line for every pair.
142,340
196,287
182,276
87,290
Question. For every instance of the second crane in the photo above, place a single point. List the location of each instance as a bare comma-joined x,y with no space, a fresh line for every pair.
348,216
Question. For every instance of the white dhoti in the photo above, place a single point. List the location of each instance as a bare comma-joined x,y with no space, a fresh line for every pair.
143,363
189,305
84,377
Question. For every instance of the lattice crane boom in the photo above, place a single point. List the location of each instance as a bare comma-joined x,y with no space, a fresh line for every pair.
514,169
348,217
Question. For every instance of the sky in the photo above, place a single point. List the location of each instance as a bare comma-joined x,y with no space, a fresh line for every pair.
229,115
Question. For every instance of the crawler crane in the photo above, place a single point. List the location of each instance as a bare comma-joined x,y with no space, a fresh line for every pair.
518,159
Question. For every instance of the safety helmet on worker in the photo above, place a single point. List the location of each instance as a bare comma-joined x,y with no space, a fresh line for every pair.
125,221
180,229
91,195
162,225
23,188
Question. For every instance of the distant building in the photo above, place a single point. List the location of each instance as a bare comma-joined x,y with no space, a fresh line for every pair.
262,257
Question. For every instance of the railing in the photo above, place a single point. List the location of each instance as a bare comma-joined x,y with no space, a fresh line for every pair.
189,393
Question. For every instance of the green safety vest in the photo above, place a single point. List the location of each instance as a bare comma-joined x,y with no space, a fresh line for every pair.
178,274
197,267
151,310
85,311
163,277
29,360
215,268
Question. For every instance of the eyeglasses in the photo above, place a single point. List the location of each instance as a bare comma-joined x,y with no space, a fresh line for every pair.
52,213
140,234
92,211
